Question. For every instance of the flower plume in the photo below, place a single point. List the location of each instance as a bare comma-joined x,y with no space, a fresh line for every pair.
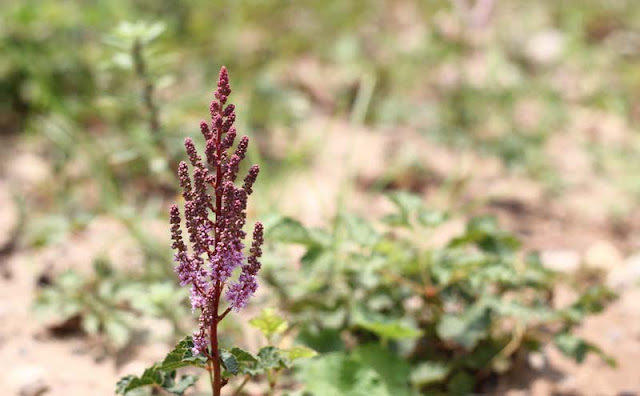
214,217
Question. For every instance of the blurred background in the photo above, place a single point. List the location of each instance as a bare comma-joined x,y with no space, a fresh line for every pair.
522,110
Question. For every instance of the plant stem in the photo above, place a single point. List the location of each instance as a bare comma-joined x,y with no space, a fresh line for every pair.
213,330
217,383
272,377
271,383
147,89
239,388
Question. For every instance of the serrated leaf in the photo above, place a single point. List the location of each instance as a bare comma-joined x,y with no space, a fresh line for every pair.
163,374
229,362
242,355
152,376
270,357
238,361
182,385
182,356
269,323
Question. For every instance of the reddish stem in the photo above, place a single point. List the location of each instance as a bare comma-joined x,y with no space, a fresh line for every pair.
213,330
217,383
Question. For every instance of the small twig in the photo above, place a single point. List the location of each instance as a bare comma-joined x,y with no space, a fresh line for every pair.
513,344
224,314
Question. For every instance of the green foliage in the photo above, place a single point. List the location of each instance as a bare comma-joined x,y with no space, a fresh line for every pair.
367,370
454,313
110,303
236,362
269,323
163,374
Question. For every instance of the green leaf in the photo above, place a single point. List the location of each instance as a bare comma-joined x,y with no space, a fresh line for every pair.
153,376
392,370
91,323
239,361
182,356
358,229
426,373
518,310
394,219
118,332
299,352
164,374
270,357
465,329
369,370
69,280
571,346
592,301
484,232
182,385
431,218
229,362
288,230
405,202
577,348
322,340
390,330
243,356
337,374
269,323
461,384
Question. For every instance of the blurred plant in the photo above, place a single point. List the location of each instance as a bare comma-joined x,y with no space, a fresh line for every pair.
37,77
395,316
216,251
110,303
134,44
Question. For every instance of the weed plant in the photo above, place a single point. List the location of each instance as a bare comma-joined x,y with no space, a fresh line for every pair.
392,315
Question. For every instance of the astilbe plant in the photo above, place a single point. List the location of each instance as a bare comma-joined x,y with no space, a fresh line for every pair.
214,215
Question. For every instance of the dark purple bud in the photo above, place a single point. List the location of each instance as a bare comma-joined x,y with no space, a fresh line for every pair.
251,177
204,129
